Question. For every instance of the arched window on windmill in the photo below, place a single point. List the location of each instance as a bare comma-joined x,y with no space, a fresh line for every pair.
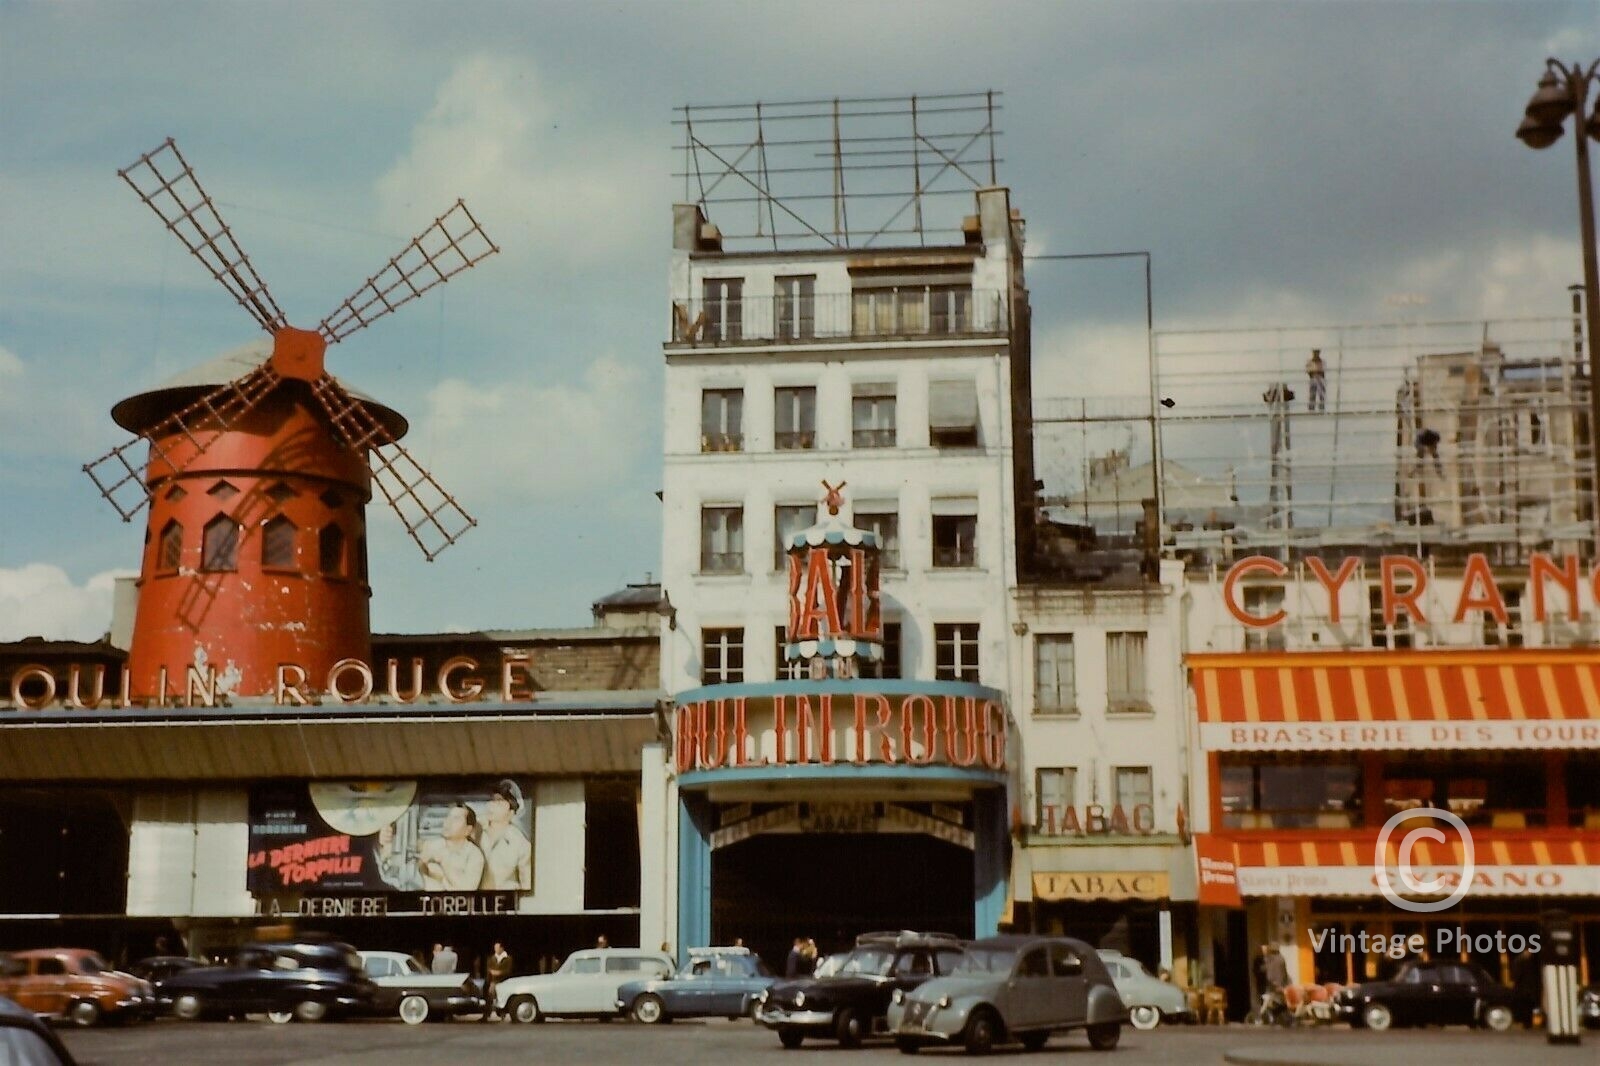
277,544
330,551
219,548
170,551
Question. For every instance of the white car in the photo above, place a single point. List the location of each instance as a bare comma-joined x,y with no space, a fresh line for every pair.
1150,1000
408,990
585,986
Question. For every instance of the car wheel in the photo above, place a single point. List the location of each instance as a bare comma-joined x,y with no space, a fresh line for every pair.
1377,1017
983,1029
1104,1037
85,1014
310,1010
1035,1041
1144,1017
849,1027
907,1045
280,1017
648,1010
188,1007
1498,1018
525,1009
414,1009
790,1037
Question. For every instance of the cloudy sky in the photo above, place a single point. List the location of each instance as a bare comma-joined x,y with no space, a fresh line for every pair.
1283,164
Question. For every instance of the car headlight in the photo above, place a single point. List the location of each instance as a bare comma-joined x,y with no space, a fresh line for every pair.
944,1003
799,999
899,996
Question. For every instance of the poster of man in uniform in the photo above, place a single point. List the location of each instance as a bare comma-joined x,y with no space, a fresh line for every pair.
392,836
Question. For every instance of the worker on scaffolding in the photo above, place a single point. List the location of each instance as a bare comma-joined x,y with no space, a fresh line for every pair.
1428,448
1317,375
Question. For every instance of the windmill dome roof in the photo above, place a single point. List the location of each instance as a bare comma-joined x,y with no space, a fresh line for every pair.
142,410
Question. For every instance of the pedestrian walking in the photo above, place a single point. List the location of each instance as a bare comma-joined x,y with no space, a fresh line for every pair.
497,969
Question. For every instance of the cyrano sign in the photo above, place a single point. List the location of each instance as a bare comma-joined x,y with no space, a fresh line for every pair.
1403,583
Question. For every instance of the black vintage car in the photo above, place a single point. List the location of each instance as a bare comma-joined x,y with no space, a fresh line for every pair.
1440,992
849,1003
287,981
157,968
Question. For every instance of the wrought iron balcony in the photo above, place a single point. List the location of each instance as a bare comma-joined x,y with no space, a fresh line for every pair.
877,314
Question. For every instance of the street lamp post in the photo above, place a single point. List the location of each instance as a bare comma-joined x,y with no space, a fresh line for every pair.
1563,91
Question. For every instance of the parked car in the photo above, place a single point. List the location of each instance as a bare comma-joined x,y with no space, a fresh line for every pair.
158,968
717,981
1428,993
305,981
849,1003
585,986
26,1040
1150,1000
1012,988
1589,1006
406,989
74,985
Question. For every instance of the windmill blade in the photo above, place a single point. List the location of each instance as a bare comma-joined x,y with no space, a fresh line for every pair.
164,180
122,483
453,243
431,515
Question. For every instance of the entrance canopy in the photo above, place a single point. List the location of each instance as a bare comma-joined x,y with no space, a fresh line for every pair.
573,734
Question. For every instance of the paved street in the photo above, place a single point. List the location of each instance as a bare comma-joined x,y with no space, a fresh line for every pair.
690,1044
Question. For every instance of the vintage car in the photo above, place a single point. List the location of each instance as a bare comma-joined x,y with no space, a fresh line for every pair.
1012,988
584,987
1429,993
74,985
158,968
1589,1007
849,1003
717,982
408,990
288,981
27,1041
1150,1000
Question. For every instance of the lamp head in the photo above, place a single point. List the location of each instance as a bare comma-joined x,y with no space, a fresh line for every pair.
1536,134
1552,103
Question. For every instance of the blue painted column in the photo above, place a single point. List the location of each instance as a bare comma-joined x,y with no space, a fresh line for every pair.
991,859
694,874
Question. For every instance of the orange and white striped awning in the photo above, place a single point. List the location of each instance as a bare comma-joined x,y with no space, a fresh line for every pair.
1518,698
1548,866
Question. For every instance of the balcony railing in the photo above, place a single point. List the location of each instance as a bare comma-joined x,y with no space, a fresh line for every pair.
870,314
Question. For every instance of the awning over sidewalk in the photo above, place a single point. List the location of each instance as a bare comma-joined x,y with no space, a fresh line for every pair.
1558,866
1517,698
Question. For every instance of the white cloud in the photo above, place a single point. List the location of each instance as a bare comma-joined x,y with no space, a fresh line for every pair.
534,440
536,174
10,365
40,600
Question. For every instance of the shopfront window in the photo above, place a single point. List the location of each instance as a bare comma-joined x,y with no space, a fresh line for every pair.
1291,794
1505,791
1583,789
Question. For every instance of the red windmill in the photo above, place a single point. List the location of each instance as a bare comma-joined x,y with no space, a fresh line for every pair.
260,465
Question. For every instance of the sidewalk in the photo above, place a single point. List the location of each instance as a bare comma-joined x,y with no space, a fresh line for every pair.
1340,1046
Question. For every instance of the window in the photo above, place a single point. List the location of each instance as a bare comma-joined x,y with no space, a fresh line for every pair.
171,550
956,651
1510,634
955,539
361,558
280,494
222,492
1055,789
892,651
724,309
277,544
949,308
1132,788
220,545
722,420
885,525
794,307
1055,674
1383,634
872,422
330,551
795,418
722,540
721,656
50,968
1125,674
952,414
888,308
591,965
788,670
787,520
1262,600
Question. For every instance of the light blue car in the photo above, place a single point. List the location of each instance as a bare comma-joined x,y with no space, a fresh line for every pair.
722,982
1150,1000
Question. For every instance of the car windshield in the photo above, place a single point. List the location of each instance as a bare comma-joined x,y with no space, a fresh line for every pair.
92,963
868,961
986,960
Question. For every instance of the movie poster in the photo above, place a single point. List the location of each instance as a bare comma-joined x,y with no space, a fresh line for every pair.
392,836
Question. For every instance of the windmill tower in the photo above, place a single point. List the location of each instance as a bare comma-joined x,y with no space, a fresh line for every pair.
260,465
